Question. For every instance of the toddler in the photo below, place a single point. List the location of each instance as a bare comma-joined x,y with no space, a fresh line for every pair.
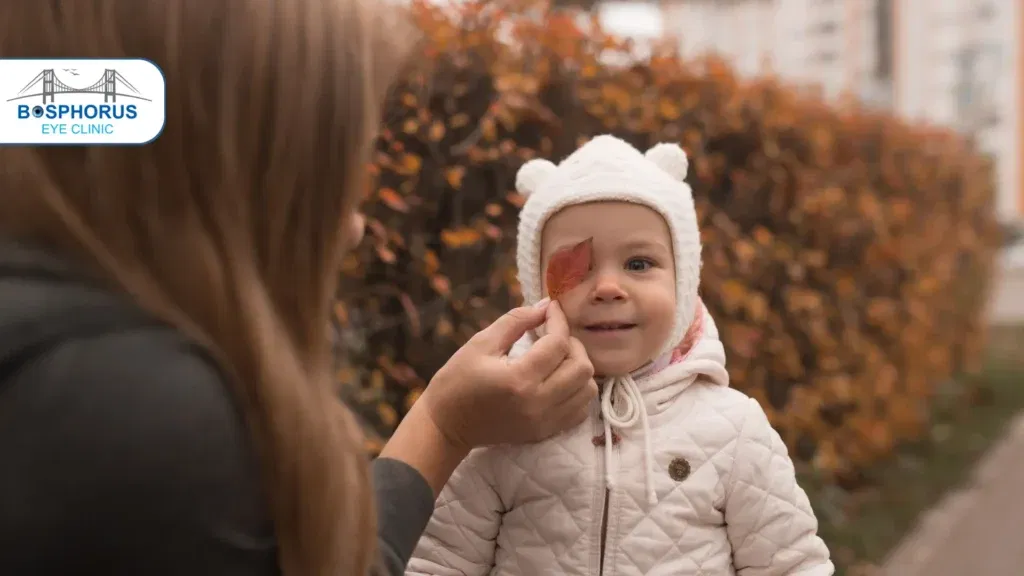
675,474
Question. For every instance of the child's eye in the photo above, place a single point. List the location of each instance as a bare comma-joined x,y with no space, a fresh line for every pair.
638,264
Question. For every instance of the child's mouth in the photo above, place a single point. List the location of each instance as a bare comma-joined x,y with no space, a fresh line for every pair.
609,327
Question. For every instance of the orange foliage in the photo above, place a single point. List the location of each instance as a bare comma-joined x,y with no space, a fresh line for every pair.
846,254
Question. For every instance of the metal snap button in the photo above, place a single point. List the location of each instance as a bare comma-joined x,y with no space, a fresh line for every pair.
679,469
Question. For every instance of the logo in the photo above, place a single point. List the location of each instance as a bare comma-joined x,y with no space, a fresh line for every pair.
81,101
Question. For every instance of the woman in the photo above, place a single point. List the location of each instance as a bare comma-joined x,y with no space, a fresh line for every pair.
166,404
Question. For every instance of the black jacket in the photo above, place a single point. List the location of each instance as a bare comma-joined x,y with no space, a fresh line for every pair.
122,452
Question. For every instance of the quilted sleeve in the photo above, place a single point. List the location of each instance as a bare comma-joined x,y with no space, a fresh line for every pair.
770,523
460,537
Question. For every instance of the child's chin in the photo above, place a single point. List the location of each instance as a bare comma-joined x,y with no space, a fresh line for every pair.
615,367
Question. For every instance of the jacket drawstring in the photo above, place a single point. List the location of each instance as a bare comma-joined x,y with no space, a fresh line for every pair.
622,392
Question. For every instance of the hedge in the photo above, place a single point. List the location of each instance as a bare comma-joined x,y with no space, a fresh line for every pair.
847,254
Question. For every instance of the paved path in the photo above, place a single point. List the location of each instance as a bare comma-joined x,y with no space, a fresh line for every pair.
1007,305
978,530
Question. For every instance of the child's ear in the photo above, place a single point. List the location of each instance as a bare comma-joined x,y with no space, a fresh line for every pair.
670,158
532,174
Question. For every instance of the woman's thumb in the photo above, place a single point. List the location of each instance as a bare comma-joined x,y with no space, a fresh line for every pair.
499,337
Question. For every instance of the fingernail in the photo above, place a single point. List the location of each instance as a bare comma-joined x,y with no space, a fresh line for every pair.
543,303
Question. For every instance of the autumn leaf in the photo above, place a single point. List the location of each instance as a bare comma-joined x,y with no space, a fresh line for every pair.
412,163
386,255
745,341
387,414
392,200
441,284
411,399
568,267
460,237
516,199
341,313
454,176
437,131
431,264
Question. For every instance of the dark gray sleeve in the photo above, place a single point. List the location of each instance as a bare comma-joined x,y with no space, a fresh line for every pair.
404,504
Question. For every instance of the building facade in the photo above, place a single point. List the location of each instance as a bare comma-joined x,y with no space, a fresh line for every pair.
957,63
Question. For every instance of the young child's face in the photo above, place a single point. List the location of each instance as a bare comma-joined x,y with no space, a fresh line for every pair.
624,309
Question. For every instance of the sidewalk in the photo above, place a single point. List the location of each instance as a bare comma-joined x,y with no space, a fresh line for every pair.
978,530
1007,305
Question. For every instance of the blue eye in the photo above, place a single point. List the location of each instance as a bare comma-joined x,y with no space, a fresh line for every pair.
638,264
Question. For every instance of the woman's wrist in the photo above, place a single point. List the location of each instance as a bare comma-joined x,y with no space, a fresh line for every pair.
420,443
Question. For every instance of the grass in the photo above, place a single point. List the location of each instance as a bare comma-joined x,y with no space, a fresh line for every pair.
862,527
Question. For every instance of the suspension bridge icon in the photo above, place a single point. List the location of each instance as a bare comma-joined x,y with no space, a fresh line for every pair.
47,85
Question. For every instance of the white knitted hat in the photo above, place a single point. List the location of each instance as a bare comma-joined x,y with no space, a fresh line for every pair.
609,169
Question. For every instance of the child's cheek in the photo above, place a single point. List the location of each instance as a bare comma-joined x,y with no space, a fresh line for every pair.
572,304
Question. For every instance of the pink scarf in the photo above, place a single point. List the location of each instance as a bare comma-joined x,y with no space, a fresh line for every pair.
680,352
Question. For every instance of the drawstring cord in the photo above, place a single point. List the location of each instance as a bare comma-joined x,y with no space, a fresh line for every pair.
623,393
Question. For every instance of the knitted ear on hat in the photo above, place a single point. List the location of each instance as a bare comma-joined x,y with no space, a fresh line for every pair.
532,174
670,158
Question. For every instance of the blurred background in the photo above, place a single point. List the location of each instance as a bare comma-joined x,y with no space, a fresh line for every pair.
857,171
955,63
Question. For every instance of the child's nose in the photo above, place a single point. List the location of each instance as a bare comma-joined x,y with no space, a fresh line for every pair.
607,288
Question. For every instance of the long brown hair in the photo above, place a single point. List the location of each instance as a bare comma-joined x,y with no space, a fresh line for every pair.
231,225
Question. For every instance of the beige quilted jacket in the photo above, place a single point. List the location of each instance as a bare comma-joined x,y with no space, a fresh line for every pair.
702,487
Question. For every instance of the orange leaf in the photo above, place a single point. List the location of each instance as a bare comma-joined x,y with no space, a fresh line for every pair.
492,232
459,120
493,210
516,199
412,163
745,341
489,129
460,237
373,445
669,110
392,200
411,399
441,285
568,267
443,328
454,176
410,126
437,131
341,313
430,262
387,414
386,255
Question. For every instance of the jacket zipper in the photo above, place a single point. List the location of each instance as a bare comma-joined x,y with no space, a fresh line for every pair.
607,495
604,528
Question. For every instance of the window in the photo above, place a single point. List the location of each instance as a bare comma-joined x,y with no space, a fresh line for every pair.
884,40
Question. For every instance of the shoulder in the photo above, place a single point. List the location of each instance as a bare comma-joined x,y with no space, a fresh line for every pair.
122,391
728,403
139,429
726,415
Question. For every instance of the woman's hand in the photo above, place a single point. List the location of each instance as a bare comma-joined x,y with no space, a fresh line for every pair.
481,397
